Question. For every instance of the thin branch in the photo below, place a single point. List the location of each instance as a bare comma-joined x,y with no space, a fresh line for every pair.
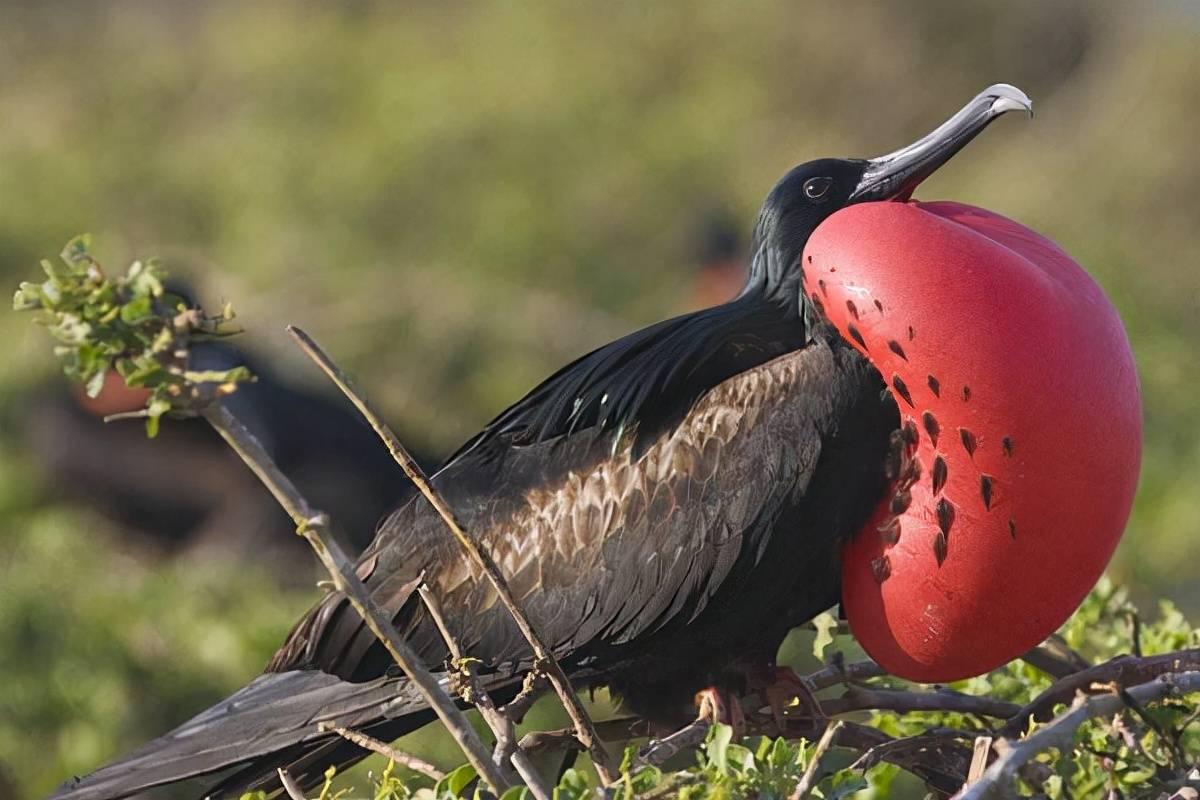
1060,732
314,526
979,758
810,777
403,759
533,688
544,659
1122,671
840,672
860,699
290,786
502,726
659,751
621,729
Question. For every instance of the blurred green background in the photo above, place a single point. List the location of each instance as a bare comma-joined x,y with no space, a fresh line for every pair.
456,198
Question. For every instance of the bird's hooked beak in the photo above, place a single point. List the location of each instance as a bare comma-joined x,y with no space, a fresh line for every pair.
895,175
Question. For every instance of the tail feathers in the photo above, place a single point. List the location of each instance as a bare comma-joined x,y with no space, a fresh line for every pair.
272,722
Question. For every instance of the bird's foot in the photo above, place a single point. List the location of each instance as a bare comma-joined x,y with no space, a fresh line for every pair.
785,693
717,705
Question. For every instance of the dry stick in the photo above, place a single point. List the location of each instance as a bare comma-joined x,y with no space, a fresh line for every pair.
809,778
403,759
501,725
834,674
584,728
533,688
659,751
314,526
979,758
858,699
289,784
1060,732
1123,670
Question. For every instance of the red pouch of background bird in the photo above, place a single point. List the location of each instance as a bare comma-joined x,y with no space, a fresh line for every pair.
1021,423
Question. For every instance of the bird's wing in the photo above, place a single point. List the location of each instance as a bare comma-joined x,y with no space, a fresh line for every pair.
600,546
647,380
268,719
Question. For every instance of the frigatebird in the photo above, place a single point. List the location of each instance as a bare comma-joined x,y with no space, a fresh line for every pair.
665,508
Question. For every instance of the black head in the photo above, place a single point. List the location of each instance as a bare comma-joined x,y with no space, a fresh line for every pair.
809,193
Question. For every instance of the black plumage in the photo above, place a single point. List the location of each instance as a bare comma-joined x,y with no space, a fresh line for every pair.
665,509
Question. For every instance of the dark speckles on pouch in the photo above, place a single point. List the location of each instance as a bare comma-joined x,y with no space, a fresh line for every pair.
940,473
853,309
940,546
900,502
966,393
901,389
969,442
856,336
931,426
823,288
1007,444
935,386
879,306
817,304
987,488
912,334
895,457
912,437
911,472
945,515
881,568
895,347
1012,529
889,532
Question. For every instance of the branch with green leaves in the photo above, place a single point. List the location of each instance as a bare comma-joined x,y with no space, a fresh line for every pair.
132,324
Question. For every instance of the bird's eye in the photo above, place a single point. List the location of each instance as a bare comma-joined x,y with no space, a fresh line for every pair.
815,188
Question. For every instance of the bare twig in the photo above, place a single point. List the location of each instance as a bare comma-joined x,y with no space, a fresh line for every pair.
979,758
659,751
1056,658
810,777
861,699
544,659
533,688
403,759
289,784
1060,732
834,674
621,729
314,526
1123,671
502,726
937,757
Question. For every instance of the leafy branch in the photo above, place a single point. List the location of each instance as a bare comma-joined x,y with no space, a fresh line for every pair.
131,324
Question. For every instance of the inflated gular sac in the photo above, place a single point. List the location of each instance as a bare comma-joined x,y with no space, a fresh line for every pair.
1015,466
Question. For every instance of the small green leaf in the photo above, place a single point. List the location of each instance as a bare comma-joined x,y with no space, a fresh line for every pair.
717,747
825,624
456,781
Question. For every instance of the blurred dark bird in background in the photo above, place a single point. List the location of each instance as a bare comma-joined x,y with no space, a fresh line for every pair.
665,508
185,493
719,258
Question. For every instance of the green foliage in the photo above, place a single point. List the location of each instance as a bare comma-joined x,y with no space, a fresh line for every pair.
123,646
1127,753
127,323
